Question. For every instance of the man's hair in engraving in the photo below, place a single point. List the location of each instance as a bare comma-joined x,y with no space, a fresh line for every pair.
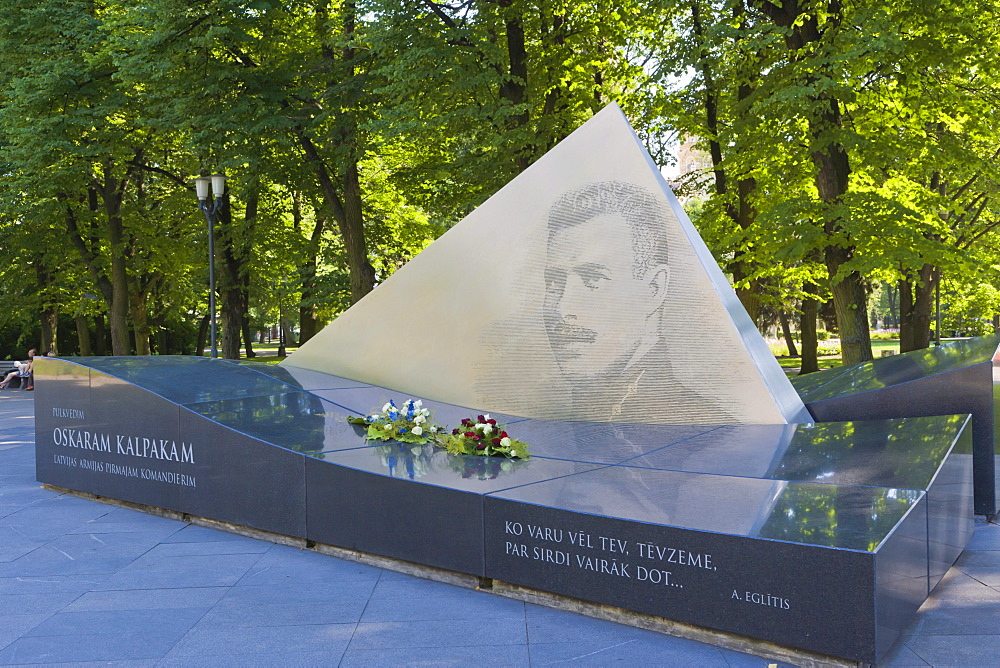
644,214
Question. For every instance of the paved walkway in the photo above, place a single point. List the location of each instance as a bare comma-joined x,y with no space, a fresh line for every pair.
86,583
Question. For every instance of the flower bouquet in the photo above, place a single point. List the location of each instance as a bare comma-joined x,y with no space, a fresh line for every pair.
482,437
408,423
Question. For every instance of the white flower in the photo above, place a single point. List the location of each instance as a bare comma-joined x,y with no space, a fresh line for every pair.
486,418
418,430
387,408
486,427
418,403
505,442
419,418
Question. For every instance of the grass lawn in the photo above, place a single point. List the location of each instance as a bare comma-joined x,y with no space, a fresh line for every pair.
791,364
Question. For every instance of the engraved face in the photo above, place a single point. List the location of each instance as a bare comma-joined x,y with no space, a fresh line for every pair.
598,312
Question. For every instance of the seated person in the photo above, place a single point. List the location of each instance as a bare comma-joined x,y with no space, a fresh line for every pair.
23,371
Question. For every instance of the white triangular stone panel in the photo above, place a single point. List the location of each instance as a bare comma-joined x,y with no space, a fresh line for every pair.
579,291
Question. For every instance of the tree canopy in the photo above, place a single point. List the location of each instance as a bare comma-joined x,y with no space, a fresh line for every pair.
851,152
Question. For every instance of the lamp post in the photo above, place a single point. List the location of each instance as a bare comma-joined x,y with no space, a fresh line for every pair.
216,183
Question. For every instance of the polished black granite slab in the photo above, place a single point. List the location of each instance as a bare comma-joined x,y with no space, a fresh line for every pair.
415,503
600,442
369,399
953,378
184,379
902,453
303,379
896,369
825,537
755,567
299,421
100,434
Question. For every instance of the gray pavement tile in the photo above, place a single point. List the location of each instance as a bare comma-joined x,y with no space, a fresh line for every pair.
220,570
548,625
122,520
986,537
650,651
151,563
147,599
310,593
264,658
13,627
241,645
493,655
205,549
288,565
89,648
969,615
983,566
49,584
193,533
234,614
900,656
957,650
456,632
48,560
14,544
29,604
957,587
399,585
165,623
443,603
128,663
51,518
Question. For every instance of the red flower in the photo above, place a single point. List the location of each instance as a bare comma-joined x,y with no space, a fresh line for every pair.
477,438
491,421
480,418
455,432
466,421
470,434
496,441
503,434
481,446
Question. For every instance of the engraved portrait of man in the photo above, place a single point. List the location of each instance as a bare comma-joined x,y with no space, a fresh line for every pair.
607,279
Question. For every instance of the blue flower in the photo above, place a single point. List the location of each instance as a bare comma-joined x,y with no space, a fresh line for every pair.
402,430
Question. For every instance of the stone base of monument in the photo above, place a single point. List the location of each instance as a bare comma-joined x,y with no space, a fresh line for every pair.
825,537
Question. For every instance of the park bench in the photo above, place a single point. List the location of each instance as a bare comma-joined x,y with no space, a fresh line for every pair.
16,382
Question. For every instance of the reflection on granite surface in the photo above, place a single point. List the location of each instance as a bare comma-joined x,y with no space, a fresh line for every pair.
366,399
301,378
187,379
895,369
433,466
298,421
886,453
600,442
839,516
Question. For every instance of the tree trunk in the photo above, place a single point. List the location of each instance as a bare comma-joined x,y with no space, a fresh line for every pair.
83,335
308,318
49,333
916,304
802,31
786,331
807,334
202,335
140,325
100,336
